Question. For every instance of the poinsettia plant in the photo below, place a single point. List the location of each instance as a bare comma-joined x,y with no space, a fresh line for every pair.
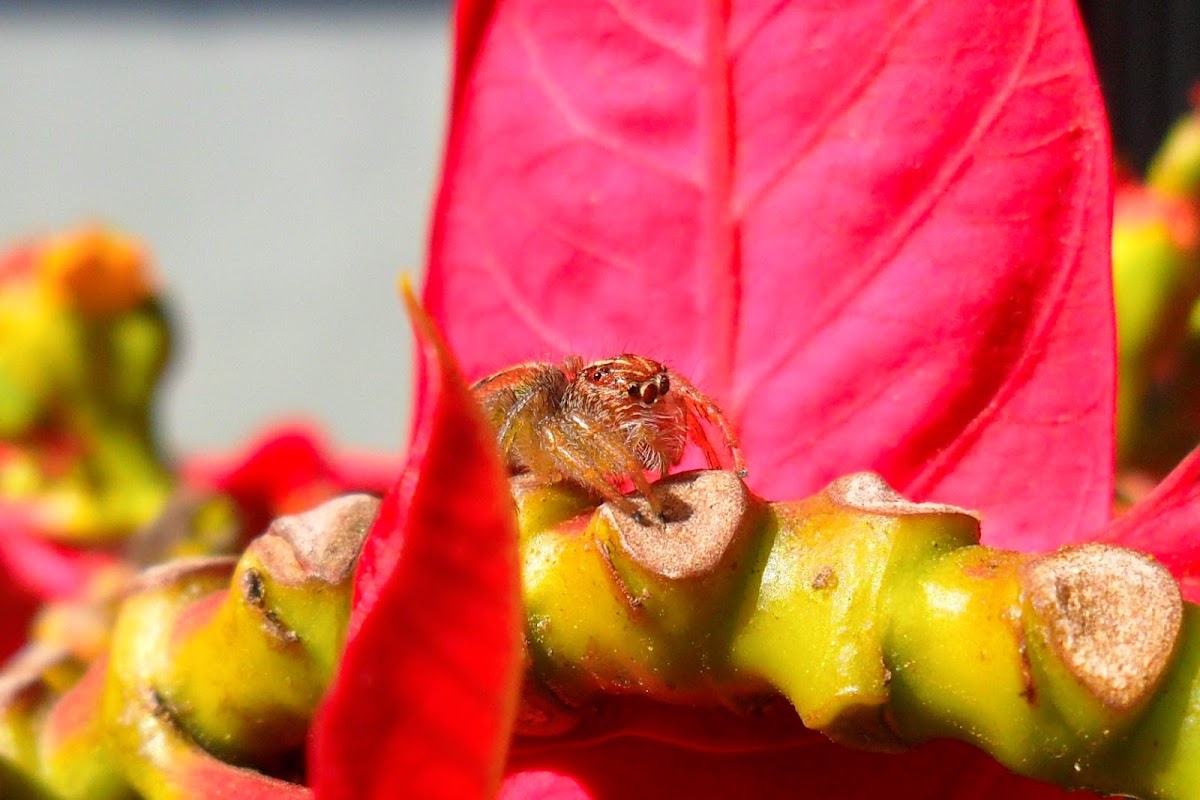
878,235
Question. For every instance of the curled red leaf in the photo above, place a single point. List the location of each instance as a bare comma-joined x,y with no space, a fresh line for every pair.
426,692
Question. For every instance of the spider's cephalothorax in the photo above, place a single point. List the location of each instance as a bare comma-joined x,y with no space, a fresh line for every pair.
595,423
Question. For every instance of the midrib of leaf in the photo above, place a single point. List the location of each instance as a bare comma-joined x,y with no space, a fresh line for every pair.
720,254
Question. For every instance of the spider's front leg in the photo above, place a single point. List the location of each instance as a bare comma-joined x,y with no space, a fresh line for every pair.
698,435
587,456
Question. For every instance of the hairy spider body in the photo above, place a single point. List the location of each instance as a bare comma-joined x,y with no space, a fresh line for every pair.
596,424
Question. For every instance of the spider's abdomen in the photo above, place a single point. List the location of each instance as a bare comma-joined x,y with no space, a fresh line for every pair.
519,403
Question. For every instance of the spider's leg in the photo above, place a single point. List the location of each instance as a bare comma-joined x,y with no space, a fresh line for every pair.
610,451
570,454
699,405
700,437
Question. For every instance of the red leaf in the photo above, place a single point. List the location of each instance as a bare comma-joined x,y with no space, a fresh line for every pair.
34,569
19,607
1164,524
877,233
424,700
44,568
286,469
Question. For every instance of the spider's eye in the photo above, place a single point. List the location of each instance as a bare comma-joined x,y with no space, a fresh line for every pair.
664,385
649,393
597,375
635,391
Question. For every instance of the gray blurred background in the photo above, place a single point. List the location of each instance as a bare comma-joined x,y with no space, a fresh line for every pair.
279,161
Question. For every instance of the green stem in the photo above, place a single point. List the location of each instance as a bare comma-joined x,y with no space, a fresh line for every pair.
883,622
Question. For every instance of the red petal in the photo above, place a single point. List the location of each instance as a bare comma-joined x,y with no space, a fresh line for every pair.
632,767
424,700
19,607
33,570
878,235
1164,523
286,469
46,569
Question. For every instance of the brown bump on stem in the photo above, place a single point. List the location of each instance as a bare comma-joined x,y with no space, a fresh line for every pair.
826,578
632,601
541,711
1029,689
156,703
82,626
322,543
1111,615
703,511
255,594
524,484
154,542
26,670
867,491
171,573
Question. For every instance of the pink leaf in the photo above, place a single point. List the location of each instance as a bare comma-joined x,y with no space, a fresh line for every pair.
877,233
542,785
425,696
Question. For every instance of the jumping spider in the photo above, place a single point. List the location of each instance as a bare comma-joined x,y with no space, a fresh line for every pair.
595,424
